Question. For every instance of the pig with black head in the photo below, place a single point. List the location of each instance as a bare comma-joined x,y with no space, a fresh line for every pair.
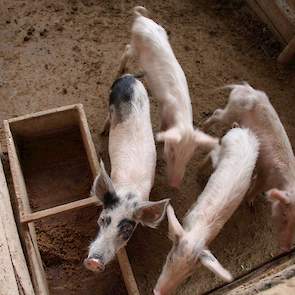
125,195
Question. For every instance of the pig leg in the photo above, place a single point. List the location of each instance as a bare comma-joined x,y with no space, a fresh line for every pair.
106,126
167,117
215,156
211,159
164,125
128,53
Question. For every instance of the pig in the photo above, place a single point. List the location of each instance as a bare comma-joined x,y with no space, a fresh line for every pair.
234,161
125,195
275,173
166,81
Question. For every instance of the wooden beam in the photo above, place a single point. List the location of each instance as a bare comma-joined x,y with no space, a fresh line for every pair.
8,284
251,282
30,217
271,13
22,275
127,273
288,54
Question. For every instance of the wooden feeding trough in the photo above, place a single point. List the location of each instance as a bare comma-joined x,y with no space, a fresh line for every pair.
53,160
279,15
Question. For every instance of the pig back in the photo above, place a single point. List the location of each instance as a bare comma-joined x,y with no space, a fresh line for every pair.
131,142
228,184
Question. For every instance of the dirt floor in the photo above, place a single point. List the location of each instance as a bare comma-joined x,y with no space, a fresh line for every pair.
55,53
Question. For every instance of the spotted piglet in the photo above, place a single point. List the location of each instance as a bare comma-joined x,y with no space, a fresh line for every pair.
276,163
234,162
167,83
125,194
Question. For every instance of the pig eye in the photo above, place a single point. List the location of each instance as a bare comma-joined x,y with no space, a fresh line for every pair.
104,221
126,228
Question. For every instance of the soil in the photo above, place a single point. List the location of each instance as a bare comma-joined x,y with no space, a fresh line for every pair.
55,53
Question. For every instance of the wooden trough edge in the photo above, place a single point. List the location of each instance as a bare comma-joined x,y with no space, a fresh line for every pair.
258,279
27,218
27,231
30,217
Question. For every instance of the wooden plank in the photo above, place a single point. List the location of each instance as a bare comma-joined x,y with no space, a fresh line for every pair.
8,284
127,273
59,209
288,54
88,143
284,287
258,278
34,258
270,13
27,231
255,6
15,248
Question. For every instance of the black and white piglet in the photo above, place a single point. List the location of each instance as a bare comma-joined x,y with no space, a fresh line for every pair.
125,194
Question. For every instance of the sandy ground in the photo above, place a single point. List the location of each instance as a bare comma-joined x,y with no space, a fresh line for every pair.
54,53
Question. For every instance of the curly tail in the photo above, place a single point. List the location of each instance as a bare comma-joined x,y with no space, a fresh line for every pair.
140,11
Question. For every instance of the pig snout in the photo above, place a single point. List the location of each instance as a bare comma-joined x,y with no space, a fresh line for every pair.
94,264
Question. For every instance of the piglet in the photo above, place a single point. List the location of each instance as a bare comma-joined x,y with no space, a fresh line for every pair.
125,194
234,161
276,163
166,81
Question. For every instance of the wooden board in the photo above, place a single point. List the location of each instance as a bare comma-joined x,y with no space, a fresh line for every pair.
288,53
54,147
272,13
279,16
268,275
14,247
8,284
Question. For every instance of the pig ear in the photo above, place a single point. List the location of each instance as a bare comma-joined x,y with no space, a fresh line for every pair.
102,184
172,135
150,213
203,139
209,261
278,195
175,229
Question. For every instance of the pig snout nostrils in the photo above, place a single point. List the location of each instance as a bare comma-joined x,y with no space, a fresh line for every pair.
94,264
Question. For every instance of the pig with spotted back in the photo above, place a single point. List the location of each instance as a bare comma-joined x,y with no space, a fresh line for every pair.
167,82
275,173
125,194
234,161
